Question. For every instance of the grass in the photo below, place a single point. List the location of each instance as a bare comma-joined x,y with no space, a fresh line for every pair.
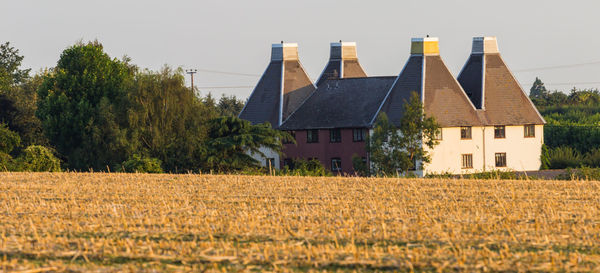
134,222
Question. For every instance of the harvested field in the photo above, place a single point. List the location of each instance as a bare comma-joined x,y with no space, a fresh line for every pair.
134,222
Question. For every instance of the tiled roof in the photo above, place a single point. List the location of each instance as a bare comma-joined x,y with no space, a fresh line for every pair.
444,99
505,103
493,89
263,105
285,79
341,103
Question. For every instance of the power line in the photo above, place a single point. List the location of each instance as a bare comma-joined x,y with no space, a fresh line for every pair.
571,83
224,87
227,73
556,66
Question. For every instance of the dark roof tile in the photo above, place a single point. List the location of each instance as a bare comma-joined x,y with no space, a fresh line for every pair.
342,103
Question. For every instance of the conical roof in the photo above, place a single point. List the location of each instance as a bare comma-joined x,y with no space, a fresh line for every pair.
491,86
426,74
282,88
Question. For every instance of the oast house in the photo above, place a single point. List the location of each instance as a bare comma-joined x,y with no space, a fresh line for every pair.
488,122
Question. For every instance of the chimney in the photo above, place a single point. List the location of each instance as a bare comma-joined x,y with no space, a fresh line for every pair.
284,52
343,63
485,45
343,51
425,46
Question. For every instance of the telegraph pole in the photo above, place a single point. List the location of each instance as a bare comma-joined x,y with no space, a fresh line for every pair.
192,72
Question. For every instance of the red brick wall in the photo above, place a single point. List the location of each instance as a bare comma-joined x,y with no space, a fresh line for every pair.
324,150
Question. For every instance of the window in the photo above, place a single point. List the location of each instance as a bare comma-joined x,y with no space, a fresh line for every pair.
293,134
530,130
465,132
312,136
335,135
336,164
358,134
499,131
500,159
438,135
467,161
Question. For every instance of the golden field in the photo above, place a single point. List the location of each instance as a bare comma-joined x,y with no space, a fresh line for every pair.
178,223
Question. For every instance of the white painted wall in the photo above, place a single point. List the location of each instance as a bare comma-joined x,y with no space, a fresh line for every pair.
269,153
522,154
446,156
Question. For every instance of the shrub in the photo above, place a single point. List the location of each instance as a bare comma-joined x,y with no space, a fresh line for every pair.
139,164
36,158
360,167
9,140
6,162
564,157
592,159
304,167
583,173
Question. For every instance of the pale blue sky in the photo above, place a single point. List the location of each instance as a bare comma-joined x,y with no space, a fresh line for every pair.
236,36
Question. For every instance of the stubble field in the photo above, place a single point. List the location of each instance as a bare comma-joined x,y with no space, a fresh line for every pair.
134,222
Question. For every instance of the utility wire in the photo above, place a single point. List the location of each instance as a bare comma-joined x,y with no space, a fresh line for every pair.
556,67
227,73
571,83
223,87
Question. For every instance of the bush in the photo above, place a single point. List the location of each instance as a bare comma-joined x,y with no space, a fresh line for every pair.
9,140
302,167
139,164
592,159
583,173
36,158
564,157
360,167
6,162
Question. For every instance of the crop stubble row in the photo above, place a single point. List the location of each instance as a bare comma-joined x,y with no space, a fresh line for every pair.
100,221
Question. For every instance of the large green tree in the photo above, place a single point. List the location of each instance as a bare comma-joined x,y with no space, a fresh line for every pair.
83,107
168,121
395,149
18,98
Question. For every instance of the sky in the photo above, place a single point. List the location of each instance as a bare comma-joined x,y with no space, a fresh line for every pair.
557,41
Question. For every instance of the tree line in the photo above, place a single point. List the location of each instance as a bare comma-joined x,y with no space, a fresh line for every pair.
92,112
572,132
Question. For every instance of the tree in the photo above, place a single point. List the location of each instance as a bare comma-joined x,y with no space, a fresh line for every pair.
232,141
538,90
230,106
17,110
10,73
168,121
83,107
18,97
394,150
